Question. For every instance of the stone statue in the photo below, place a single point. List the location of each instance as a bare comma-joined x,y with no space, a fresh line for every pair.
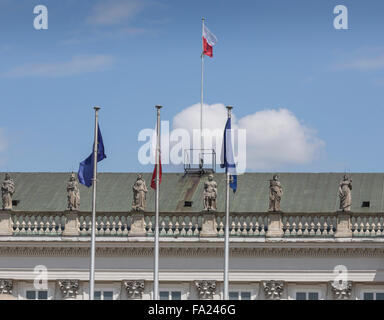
210,194
73,193
139,194
275,194
7,191
345,194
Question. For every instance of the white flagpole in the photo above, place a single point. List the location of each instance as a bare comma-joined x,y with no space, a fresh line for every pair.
202,85
156,269
93,230
226,245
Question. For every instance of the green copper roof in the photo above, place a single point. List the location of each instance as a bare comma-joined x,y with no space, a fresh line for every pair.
303,192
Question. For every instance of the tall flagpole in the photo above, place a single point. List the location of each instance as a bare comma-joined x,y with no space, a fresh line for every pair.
156,269
202,84
94,180
226,245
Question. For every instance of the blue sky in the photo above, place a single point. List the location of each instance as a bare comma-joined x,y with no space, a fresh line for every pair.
127,56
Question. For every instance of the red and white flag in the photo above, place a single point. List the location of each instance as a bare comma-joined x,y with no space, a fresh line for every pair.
209,40
153,180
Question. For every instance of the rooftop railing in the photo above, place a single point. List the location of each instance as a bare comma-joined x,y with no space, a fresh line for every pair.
198,224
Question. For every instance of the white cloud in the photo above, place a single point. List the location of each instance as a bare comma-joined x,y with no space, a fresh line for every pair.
214,116
275,137
115,11
374,63
75,66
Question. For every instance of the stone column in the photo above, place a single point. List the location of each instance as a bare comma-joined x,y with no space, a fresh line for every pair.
206,289
69,288
275,225
209,225
5,223
134,288
71,224
137,225
343,228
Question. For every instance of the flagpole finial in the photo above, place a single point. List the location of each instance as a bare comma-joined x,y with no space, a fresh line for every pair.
96,108
203,18
158,107
229,108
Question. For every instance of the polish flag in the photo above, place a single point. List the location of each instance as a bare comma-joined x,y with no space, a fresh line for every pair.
153,180
209,40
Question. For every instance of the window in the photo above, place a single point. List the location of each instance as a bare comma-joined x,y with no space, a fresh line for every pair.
103,295
170,295
307,295
36,295
373,296
366,204
188,203
239,295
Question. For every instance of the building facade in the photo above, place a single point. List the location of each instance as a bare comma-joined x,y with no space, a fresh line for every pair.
313,248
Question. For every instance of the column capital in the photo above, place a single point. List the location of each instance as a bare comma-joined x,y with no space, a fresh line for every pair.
342,291
134,288
6,286
206,288
273,289
69,288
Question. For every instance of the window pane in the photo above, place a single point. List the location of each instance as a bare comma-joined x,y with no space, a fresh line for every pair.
31,295
42,295
97,295
176,295
233,295
368,295
313,296
301,296
245,296
108,295
164,295
379,295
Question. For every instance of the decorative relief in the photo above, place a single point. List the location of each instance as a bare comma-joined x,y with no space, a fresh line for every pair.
6,286
206,288
69,288
342,291
134,288
273,289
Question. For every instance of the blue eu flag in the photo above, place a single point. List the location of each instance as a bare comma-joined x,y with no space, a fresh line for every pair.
85,173
227,159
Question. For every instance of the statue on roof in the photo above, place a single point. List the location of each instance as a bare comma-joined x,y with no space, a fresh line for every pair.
275,194
7,191
139,194
210,194
73,193
345,193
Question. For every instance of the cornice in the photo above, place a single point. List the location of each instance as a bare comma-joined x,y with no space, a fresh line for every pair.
192,251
